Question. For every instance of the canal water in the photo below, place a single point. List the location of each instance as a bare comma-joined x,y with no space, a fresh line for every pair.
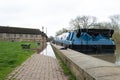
113,58
117,54
48,51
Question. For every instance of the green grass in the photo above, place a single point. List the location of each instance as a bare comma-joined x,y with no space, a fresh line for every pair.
12,55
64,66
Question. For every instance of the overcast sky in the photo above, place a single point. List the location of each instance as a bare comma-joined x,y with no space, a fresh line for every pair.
53,14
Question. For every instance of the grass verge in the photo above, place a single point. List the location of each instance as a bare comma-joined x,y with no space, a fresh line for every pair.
63,65
12,55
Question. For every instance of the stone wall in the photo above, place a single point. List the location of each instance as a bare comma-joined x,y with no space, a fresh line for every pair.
20,37
85,67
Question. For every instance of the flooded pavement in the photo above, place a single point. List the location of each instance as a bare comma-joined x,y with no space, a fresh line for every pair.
48,51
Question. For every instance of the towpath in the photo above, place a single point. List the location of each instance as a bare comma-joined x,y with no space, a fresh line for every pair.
42,66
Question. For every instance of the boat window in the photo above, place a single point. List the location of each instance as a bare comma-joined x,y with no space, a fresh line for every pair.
72,36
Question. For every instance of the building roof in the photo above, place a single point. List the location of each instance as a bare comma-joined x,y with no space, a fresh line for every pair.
16,30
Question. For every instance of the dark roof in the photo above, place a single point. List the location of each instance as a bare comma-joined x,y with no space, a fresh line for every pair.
16,30
95,32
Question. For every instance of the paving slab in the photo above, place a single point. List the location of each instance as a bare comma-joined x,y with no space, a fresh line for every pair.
38,67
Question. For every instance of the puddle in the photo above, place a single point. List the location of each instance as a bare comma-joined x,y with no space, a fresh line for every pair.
48,51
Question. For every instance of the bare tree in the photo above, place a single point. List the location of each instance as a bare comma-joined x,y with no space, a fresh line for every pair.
63,30
82,22
50,38
75,24
103,25
115,21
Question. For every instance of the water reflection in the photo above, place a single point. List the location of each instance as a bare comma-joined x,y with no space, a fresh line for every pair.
114,58
107,57
117,54
48,51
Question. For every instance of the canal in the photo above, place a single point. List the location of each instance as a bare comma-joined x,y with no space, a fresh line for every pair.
113,58
117,54
48,51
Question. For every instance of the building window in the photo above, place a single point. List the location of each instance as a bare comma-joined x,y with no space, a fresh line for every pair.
14,35
31,36
21,35
36,36
26,35
1,35
8,35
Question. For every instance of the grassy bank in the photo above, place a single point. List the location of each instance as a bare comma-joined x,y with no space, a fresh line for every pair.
12,55
63,65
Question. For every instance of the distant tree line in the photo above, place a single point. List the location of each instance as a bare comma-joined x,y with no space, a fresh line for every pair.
63,30
91,22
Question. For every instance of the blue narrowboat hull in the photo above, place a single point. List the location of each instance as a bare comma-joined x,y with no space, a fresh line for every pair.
94,48
88,40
